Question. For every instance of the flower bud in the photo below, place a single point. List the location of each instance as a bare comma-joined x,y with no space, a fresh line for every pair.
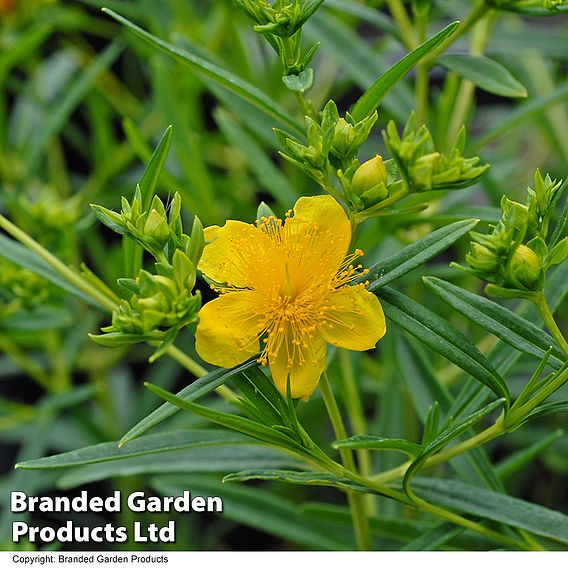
482,258
343,138
525,267
368,175
157,227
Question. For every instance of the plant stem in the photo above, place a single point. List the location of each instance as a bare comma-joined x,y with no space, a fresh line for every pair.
542,306
426,507
398,11
421,85
490,433
356,415
196,369
356,502
467,88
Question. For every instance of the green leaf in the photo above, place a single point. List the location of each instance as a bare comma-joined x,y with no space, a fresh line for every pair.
222,76
373,96
416,254
194,391
501,322
258,508
231,421
298,478
474,500
560,406
484,72
155,443
443,439
376,443
442,337
154,168
195,460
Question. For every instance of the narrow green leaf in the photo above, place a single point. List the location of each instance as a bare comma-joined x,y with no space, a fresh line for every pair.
152,444
484,72
479,502
442,337
194,391
258,508
371,99
222,76
443,439
376,443
231,421
298,478
154,168
560,406
501,322
218,459
416,254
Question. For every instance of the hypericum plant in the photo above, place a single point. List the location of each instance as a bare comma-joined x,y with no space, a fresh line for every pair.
453,371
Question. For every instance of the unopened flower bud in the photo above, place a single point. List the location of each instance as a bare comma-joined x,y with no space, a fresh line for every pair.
368,175
157,227
525,267
343,138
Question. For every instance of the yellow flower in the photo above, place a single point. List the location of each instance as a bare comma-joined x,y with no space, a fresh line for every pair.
285,283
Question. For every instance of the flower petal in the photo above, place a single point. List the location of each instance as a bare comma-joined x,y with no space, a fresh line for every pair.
236,254
304,363
318,236
356,320
228,328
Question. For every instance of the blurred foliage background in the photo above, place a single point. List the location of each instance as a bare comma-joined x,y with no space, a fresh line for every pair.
83,103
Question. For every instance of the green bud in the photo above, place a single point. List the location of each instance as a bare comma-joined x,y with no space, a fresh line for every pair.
525,267
482,258
369,181
157,226
369,174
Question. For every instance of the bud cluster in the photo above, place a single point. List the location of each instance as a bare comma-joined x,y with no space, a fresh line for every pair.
330,156
331,151
20,289
155,307
281,24
516,254
422,168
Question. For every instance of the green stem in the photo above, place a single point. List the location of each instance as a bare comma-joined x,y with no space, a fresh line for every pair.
196,369
398,11
546,313
464,98
356,502
421,86
490,433
356,415
426,507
